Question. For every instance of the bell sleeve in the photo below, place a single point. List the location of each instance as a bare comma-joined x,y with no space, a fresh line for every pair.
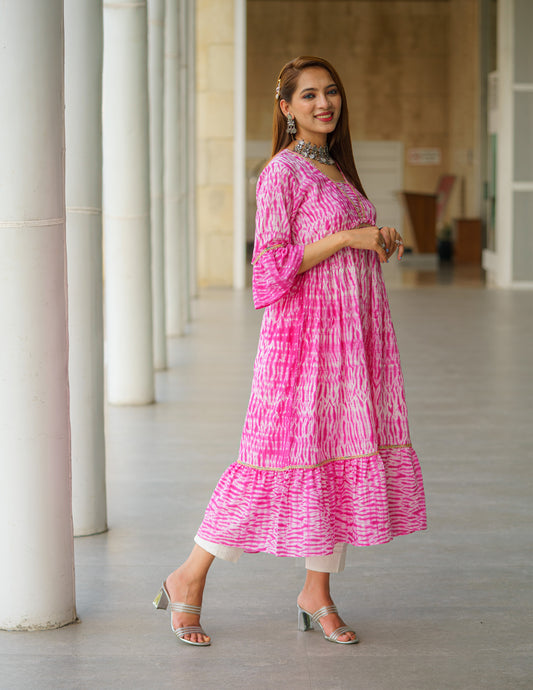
276,259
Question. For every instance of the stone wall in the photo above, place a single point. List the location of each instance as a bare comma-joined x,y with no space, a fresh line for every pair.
464,108
214,70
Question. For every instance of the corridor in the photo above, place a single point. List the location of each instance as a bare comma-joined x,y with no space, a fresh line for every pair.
445,608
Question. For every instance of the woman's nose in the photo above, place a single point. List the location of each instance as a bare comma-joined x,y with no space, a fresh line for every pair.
323,100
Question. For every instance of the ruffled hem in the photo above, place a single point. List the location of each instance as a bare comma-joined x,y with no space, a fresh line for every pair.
305,512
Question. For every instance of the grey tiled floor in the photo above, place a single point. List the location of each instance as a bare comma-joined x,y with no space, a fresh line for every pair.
446,608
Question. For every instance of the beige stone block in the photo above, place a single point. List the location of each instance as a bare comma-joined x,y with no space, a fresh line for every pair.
219,161
202,161
220,67
214,161
214,209
214,21
215,114
201,68
201,262
215,261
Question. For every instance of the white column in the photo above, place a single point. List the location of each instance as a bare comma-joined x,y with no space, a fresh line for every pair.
509,265
83,136
504,176
176,316
36,544
239,148
191,163
126,170
156,57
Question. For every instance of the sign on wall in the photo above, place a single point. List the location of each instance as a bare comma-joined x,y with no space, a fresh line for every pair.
425,156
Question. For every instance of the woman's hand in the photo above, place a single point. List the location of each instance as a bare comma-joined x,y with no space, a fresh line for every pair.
393,241
384,241
363,237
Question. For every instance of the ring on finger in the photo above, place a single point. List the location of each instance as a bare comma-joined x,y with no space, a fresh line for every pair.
398,242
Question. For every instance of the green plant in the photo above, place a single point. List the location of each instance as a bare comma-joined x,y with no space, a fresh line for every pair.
445,233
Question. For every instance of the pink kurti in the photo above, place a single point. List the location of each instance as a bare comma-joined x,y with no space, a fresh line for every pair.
325,455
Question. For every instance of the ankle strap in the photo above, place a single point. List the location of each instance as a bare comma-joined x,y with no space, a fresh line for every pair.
185,608
323,612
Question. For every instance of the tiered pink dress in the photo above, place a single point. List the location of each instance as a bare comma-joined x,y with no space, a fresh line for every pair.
325,456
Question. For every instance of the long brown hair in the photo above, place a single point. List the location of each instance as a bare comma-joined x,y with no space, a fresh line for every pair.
339,141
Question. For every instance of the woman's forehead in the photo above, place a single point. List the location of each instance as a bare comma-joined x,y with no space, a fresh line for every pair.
314,77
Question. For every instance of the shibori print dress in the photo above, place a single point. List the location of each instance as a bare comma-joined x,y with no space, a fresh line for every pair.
325,455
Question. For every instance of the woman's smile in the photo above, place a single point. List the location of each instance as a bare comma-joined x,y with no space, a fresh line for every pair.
325,117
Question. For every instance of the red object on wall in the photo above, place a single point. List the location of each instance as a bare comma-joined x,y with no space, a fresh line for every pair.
444,189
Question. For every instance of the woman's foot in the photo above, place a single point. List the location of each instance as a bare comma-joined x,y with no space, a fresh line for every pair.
186,585
312,602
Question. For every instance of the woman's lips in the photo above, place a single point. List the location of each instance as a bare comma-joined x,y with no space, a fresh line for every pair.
325,117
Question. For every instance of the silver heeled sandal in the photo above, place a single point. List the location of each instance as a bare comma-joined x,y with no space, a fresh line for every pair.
306,620
162,601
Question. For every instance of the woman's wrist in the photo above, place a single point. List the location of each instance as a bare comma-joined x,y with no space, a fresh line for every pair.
342,239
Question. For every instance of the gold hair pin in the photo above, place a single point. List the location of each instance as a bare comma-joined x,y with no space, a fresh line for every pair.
278,88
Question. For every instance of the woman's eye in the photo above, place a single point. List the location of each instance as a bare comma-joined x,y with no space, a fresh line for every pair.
308,95
333,92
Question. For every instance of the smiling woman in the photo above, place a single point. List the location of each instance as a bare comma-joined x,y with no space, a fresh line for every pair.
316,106
325,457
308,87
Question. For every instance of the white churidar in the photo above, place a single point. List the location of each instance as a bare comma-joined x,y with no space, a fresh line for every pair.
239,148
83,180
156,57
174,231
36,542
126,170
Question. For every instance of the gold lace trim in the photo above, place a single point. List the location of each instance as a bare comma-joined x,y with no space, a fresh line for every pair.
324,462
274,246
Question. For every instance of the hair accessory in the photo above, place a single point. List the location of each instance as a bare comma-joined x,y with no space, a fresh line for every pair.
278,88
316,153
291,125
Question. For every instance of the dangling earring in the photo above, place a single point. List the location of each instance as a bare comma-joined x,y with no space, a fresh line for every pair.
291,125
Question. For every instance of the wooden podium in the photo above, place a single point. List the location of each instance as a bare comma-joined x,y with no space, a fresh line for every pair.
468,241
422,210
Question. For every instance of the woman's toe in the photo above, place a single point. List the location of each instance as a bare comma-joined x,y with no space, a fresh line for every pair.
346,637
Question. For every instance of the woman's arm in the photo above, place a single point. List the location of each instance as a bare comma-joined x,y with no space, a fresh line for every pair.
366,237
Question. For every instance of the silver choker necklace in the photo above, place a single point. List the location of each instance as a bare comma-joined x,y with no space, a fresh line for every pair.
314,152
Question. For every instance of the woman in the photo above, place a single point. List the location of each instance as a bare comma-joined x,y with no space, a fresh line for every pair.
325,458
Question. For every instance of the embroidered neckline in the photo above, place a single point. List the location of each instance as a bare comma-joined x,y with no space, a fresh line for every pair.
321,172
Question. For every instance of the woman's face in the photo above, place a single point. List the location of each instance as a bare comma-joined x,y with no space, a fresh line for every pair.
316,105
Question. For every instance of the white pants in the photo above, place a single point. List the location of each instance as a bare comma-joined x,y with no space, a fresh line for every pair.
333,563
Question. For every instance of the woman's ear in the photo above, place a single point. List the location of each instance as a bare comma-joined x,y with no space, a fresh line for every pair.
284,107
